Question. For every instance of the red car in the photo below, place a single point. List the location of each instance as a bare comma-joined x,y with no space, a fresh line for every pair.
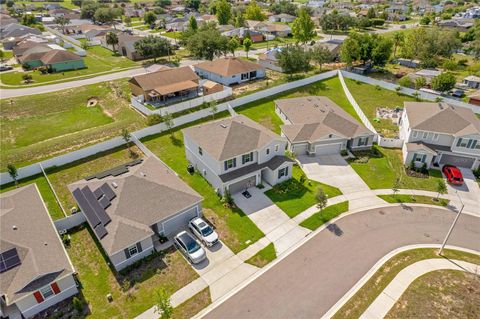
453,174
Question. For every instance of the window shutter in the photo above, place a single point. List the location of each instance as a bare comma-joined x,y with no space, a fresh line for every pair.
234,162
251,156
38,296
243,159
286,171
225,164
55,288
127,253
139,247
459,142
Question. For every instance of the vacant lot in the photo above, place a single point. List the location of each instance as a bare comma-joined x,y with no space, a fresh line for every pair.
37,127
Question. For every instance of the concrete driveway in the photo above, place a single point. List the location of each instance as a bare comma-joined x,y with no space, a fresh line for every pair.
468,192
309,281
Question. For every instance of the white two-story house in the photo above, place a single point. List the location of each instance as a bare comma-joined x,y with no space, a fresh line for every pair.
237,153
438,134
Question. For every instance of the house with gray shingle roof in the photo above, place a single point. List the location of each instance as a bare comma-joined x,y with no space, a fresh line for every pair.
315,125
438,134
35,270
131,206
237,153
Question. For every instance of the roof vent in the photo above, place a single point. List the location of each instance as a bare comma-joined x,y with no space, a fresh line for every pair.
114,185
14,227
143,174
223,125
45,243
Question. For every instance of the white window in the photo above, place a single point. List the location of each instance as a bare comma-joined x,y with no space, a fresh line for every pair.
247,158
244,76
47,292
429,135
276,148
282,172
133,250
419,157
425,135
414,133
362,141
435,136
231,163
462,142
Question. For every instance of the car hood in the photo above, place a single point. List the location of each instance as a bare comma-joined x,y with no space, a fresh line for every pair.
197,254
211,238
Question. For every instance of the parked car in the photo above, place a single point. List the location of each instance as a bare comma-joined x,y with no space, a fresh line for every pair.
453,174
203,231
5,68
189,247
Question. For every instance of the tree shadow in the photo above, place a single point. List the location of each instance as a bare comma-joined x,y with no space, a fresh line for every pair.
175,140
333,228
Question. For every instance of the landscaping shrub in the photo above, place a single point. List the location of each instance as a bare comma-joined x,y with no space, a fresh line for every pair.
77,304
343,152
288,186
406,82
362,157
154,119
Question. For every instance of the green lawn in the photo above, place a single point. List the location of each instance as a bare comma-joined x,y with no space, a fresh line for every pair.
40,126
369,98
236,230
293,197
65,3
327,214
192,306
98,60
382,172
7,54
173,35
399,198
168,269
45,191
263,257
263,110
357,304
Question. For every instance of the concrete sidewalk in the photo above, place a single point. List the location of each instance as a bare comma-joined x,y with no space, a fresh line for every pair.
392,293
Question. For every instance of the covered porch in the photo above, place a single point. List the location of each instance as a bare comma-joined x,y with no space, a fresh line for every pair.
173,93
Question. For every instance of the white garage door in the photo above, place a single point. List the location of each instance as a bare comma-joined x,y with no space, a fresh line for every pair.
328,149
180,222
459,161
242,185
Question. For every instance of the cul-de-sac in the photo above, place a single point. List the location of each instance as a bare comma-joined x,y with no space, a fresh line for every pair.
239,159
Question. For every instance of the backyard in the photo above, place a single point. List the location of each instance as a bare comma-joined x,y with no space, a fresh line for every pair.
41,126
382,171
293,196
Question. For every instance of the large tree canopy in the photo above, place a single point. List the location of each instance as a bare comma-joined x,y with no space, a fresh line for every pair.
366,47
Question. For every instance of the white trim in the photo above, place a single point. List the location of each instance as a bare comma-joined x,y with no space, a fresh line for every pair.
36,305
177,215
143,250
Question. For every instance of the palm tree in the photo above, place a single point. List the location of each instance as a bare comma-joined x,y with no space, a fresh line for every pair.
398,39
112,39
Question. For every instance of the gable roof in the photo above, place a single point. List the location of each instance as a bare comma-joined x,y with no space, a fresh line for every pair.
164,78
314,117
228,66
57,56
147,193
230,137
43,257
442,118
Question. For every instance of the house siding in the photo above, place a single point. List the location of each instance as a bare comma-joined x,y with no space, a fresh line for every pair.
120,261
67,66
230,80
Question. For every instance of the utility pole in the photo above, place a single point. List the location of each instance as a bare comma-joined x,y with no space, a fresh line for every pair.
451,227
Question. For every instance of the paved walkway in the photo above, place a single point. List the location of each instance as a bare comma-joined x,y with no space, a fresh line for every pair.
392,293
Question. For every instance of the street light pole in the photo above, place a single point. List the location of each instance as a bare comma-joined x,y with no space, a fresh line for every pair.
451,227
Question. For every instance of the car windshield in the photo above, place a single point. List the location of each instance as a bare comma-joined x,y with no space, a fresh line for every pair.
457,179
191,244
206,230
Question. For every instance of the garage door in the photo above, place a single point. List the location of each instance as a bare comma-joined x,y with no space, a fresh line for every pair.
242,185
457,160
328,149
179,222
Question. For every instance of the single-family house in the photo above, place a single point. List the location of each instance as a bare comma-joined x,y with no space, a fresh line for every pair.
125,46
438,133
237,153
242,33
35,270
131,206
16,30
409,63
6,19
399,9
427,74
269,59
474,98
472,81
229,71
334,46
461,25
282,17
275,29
165,84
54,60
315,125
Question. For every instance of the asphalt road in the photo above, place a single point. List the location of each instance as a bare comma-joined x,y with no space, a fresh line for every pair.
308,282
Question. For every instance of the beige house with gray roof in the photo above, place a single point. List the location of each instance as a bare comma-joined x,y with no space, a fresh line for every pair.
237,153
438,133
315,125
131,206
35,270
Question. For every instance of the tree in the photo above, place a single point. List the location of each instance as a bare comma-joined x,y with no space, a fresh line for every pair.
382,50
163,305
127,137
88,9
28,20
149,18
27,78
396,186
163,3
441,188
207,44
321,54
105,15
247,43
62,21
85,45
336,22
419,83
112,39
371,13
10,3
284,6
398,40
192,23
425,20
293,58
443,82
213,108
128,21
2,56
303,28
254,12
192,4
233,44
405,81
168,120
366,48
321,198
152,46
12,171
223,12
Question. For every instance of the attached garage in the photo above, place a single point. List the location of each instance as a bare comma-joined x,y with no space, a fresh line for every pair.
178,222
242,185
328,149
456,160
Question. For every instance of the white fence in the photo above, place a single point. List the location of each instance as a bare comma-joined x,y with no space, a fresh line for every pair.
390,142
61,160
70,221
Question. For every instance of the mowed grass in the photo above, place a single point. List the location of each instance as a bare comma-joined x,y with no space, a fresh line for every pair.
369,98
45,191
381,173
263,257
357,304
325,215
293,197
192,306
263,110
98,60
236,230
169,270
41,126
399,198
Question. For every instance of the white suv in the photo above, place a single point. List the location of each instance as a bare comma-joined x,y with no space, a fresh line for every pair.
203,231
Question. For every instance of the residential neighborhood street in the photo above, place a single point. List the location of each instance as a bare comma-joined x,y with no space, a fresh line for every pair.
309,281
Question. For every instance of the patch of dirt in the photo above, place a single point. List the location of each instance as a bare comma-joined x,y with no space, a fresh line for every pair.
221,227
92,101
